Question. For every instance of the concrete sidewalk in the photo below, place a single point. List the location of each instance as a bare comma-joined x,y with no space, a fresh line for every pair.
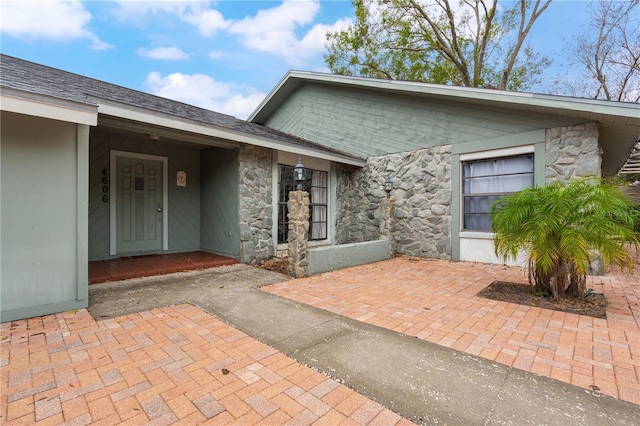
421,381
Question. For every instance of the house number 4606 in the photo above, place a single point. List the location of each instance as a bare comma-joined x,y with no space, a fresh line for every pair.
105,186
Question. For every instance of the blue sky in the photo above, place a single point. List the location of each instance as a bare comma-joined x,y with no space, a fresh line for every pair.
224,55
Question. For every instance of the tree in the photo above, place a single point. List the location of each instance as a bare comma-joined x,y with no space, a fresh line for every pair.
471,43
608,53
560,227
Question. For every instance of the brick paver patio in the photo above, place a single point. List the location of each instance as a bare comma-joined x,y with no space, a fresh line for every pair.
171,365
435,300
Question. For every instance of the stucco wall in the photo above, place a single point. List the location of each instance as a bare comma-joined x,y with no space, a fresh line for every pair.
219,202
43,251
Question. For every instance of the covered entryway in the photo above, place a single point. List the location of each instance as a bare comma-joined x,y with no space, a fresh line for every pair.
156,192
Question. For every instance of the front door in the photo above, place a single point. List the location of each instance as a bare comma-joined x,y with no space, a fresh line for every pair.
139,205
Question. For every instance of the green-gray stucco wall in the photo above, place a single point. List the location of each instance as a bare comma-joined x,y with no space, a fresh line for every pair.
370,123
43,205
219,201
184,202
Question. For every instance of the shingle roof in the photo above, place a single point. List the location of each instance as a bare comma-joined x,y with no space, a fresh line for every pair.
35,78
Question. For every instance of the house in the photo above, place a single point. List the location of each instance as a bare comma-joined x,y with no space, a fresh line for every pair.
449,151
91,171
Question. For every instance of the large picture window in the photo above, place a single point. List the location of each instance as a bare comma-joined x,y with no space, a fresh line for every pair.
485,181
316,184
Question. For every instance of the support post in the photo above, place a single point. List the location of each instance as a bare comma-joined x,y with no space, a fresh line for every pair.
298,233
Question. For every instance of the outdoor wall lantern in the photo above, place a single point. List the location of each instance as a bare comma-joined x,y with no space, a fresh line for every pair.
299,174
388,186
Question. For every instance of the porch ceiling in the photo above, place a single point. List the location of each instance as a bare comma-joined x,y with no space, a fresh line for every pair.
160,134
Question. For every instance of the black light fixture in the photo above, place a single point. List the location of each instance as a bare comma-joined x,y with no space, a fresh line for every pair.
388,186
299,174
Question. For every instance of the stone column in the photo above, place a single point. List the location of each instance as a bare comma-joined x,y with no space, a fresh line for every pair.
255,205
386,224
298,233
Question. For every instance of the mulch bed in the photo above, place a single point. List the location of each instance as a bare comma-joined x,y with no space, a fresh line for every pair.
276,264
594,305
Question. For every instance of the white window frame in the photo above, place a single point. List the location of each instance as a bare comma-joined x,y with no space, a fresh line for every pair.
486,155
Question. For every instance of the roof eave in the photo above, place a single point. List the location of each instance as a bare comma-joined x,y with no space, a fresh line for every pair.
498,97
40,105
221,134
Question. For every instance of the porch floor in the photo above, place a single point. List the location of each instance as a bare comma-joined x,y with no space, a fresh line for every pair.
158,264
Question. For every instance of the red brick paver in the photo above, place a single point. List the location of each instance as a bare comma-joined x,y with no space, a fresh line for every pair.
435,300
171,365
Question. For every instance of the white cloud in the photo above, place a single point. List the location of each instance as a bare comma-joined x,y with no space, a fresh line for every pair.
216,54
56,20
282,31
209,22
132,11
273,30
169,52
314,41
203,91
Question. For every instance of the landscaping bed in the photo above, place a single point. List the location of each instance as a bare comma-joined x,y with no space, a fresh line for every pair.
594,305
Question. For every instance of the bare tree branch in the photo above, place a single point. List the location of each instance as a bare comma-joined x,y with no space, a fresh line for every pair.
469,42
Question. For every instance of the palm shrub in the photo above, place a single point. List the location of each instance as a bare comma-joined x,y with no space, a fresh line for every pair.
560,227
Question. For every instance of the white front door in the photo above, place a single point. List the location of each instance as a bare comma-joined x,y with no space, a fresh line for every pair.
139,205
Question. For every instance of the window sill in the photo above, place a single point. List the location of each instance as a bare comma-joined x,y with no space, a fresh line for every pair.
477,235
316,243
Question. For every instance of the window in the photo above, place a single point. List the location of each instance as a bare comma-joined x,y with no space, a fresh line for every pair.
316,184
485,181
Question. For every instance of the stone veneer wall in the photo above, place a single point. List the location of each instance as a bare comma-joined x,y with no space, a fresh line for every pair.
572,152
256,204
422,209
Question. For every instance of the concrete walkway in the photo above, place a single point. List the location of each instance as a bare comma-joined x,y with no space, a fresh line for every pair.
253,358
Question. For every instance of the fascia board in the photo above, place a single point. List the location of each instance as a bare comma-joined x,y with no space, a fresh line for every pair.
216,132
623,109
494,97
283,87
310,152
48,107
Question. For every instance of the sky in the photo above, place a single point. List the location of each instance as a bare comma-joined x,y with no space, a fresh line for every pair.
221,55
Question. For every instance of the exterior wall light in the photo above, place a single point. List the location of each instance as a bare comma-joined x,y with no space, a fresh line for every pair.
388,186
299,174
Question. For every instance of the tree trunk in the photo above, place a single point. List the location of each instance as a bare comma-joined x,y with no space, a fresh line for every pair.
577,284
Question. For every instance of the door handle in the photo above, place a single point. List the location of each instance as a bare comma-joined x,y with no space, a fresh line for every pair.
159,208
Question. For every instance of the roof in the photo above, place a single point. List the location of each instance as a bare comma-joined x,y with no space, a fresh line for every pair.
20,78
619,122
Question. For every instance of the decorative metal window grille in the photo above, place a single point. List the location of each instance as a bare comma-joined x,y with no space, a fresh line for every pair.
316,184
139,184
